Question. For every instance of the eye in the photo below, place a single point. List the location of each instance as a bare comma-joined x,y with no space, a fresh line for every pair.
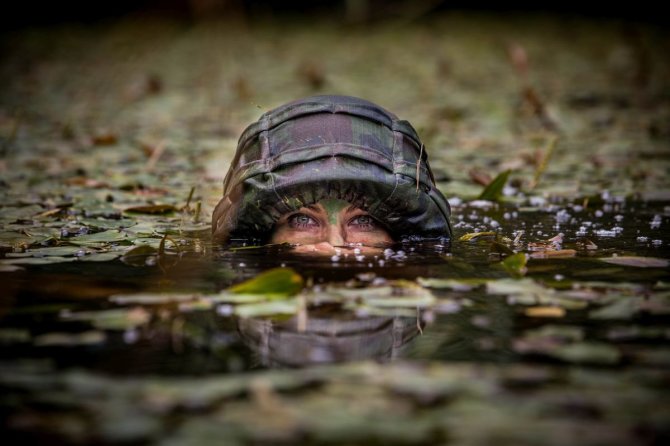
363,223
302,221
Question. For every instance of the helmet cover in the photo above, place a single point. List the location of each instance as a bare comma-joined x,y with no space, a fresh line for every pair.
337,147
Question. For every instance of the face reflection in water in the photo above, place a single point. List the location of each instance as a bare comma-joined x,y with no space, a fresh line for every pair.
330,225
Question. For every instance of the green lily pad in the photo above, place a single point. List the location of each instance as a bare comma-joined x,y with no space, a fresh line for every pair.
100,257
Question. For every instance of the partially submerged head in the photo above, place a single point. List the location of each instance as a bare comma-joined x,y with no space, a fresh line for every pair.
330,171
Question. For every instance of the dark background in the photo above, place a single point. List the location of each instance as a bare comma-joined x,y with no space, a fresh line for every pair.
44,12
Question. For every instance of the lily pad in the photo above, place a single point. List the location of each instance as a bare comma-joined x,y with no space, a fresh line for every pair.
640,262
38,260
115,319
110,236
100,257
267,308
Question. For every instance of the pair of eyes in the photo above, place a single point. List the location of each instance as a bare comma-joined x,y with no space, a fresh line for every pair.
359,222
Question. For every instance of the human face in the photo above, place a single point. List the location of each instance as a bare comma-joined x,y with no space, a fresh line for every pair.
329,226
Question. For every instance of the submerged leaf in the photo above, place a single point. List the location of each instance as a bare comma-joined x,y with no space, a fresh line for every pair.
281,282
139,255
494,190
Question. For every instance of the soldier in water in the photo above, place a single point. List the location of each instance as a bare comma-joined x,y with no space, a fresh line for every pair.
330,173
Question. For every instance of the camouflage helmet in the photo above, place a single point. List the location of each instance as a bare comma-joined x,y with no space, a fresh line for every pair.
337,147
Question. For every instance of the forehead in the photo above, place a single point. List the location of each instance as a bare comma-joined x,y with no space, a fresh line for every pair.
332,206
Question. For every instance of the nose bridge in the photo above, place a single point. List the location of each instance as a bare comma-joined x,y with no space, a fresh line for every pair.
336,237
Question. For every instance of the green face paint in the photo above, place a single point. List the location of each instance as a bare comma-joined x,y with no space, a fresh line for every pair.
333,207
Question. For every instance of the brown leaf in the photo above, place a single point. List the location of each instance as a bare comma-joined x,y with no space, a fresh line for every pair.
479,176
560,253
104,139
544,312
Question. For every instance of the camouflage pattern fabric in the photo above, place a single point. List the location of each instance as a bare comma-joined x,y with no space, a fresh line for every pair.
330,147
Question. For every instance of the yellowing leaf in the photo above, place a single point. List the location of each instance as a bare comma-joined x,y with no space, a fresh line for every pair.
515,264
544,312
277,281
474,235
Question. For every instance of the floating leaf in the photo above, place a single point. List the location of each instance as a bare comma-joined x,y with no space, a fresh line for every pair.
151,298
454,284
100,257
10,268
588,353
110,236
281,282
640,262
554,254
544,312
91,337
14,336
57,251
475,235
494,190
623,308
38,260
268,308
156,209
515,264
243,298
116,319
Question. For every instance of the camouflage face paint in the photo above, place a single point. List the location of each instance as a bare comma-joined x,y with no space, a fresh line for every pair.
333,207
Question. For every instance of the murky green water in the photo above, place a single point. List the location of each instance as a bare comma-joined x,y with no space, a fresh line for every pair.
116,322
